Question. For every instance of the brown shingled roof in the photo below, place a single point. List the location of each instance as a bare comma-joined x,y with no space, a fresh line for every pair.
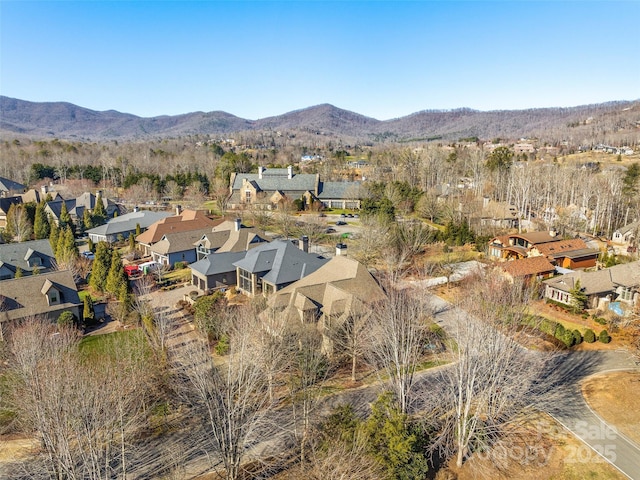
527,267
187,221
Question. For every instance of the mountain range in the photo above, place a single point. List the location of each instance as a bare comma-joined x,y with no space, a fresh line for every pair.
65,120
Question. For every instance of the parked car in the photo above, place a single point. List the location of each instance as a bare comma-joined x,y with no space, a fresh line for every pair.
340,222
88,255
330,230
342,215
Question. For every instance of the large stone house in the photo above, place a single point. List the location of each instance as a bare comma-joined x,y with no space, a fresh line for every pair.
339,291
271,186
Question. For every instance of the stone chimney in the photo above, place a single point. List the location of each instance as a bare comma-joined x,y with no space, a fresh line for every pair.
178,210
290,172
260,172
552,232
341,250
136,209
44,189
303,243
237,223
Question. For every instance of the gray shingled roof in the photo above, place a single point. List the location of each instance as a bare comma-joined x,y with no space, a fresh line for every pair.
217,263
271,181
284,262
340,190
178,242
22,297
128,222
7,185
18,254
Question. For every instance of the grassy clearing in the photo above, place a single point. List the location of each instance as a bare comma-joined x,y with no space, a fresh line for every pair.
98,345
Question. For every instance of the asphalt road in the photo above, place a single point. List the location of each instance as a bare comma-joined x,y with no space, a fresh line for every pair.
569,407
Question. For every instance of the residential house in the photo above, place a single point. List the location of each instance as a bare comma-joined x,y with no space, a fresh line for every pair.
620,283
487,213
216,270
572,253
187,220
229,236
527,269
177,247
46,295
27,256
5,205
337,292
271,186
9,187
628,235
77,206
270,267
516,245
37,196
125,225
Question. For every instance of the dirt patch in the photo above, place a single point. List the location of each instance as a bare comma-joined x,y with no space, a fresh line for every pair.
12,449
614,397
548,452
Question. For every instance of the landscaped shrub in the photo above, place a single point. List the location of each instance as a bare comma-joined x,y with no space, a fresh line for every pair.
589,336
600,320
577,337
604,337
180,265
222,347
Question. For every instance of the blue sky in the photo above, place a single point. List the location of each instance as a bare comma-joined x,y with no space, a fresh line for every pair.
383,59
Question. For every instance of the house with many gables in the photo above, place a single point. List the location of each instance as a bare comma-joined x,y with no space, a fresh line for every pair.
339,291
271,186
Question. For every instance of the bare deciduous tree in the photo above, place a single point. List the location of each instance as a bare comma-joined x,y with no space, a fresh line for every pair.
59,394
491,384
397,333
231,397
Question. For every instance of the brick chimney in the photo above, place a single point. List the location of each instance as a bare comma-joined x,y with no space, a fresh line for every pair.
341,250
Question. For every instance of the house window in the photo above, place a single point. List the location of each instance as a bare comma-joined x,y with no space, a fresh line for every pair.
247,195
246,281
33,261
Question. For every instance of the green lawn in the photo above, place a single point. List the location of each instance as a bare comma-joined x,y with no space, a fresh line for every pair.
102,344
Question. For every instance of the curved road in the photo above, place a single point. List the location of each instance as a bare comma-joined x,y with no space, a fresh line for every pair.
569,407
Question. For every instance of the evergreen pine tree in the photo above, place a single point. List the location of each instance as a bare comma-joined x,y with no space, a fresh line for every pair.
87,310
578,297
87,219
99,213
116,276
41,226
100,267
65,217
53,237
